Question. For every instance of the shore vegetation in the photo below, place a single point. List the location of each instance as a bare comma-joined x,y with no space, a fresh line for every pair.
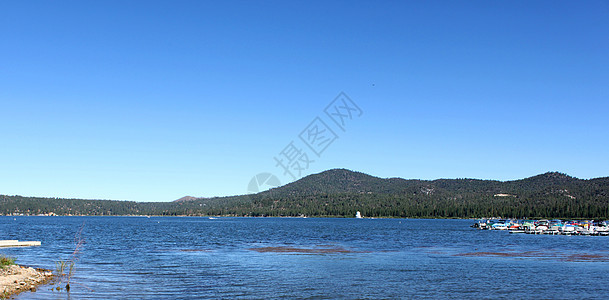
341,193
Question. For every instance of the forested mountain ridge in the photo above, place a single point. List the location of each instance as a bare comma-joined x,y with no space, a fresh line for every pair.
341,181
341,192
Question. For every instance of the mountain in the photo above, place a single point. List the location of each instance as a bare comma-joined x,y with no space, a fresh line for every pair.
341,192
339,181
186,198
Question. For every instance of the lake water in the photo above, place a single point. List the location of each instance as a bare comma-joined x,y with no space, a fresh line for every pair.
262,258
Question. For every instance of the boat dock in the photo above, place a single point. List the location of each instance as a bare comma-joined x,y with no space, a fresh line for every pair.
16,243
551,227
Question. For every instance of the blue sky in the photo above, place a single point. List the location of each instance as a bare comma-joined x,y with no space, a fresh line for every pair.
154,100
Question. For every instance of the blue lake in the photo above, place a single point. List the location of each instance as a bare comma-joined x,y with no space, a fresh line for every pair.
262,258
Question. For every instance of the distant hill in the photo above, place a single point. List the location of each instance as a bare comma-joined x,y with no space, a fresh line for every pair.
186,198
345,181
341,192
340,181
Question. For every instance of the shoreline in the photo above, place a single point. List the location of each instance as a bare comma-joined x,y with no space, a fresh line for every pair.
305,217
15,279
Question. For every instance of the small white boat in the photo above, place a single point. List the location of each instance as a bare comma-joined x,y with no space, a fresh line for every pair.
358,215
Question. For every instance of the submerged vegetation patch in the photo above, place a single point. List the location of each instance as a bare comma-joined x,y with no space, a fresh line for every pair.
582,257
285,249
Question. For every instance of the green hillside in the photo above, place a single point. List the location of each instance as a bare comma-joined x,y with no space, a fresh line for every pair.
341,192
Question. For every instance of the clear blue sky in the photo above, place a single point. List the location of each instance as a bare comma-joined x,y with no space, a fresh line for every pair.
154,100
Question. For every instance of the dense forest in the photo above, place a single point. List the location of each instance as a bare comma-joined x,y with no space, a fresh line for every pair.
341,193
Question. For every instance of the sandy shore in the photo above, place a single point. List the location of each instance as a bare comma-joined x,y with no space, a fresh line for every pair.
16,279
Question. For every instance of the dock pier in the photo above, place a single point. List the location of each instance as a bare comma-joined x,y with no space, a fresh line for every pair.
16,243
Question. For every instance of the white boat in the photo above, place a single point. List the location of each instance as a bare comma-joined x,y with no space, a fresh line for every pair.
358,215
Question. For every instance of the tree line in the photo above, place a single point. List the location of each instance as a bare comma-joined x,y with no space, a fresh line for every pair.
341,193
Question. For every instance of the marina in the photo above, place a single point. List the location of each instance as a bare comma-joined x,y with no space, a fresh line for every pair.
549,227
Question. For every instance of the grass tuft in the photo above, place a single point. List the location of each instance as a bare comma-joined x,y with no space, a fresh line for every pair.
6,261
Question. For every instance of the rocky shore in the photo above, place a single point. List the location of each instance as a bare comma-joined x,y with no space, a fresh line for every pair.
16,279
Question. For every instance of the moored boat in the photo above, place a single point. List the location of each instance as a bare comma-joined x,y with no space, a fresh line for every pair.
553,227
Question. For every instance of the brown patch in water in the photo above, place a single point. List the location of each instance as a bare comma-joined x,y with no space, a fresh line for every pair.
327,246
487,254
511,254
538,254
284,249
586,257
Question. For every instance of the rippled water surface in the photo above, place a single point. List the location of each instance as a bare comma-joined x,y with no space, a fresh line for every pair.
262,258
